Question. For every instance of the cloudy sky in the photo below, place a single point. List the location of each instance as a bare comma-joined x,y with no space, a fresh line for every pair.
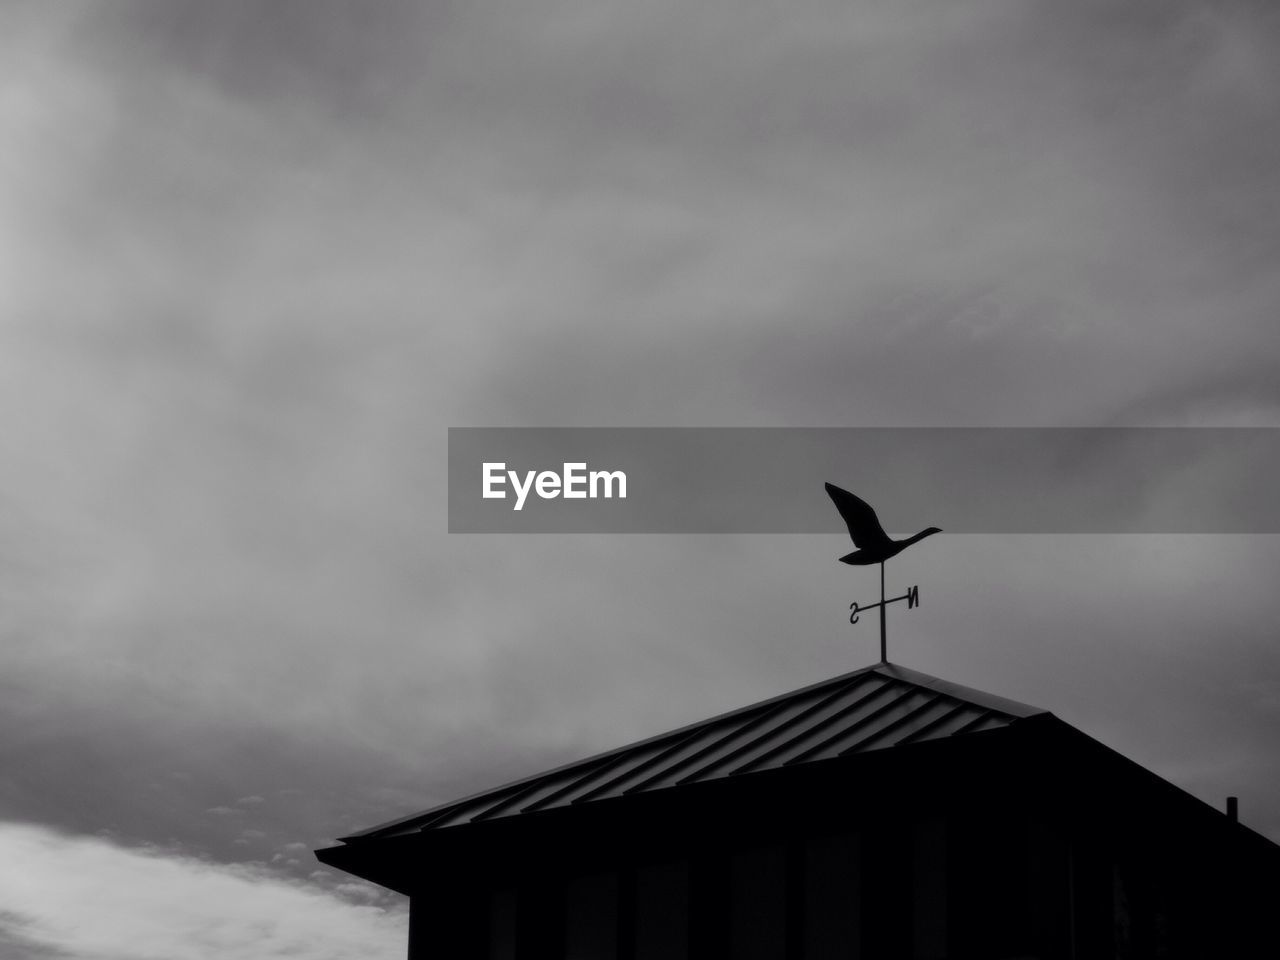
257,257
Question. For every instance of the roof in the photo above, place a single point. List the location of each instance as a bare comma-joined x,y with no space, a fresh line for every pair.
876,708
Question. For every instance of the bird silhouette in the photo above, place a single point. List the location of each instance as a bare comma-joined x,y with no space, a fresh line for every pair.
874,545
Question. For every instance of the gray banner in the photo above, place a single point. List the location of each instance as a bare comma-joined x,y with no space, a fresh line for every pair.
769,480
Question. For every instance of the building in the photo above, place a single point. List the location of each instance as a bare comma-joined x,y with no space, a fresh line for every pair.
879,814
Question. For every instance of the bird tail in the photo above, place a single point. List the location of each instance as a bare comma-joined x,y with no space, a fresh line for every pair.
853,558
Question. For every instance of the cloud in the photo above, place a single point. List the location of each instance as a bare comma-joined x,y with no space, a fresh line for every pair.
96,900
259,255
364,892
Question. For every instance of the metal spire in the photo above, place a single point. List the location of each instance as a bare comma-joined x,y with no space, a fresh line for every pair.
912,596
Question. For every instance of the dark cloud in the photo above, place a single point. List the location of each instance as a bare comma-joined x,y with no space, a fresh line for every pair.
328,53
260,256
18,946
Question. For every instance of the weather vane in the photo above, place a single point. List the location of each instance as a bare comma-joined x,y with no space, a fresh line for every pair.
873,546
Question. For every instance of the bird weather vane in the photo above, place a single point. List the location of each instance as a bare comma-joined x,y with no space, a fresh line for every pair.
873,546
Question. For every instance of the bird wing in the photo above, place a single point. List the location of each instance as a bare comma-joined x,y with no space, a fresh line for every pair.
864,526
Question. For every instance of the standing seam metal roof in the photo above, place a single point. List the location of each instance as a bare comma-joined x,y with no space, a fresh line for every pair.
874,708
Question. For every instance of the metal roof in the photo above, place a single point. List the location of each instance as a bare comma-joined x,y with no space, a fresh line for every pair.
874,708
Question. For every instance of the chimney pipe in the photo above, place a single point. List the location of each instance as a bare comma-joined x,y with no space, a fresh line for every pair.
1233,809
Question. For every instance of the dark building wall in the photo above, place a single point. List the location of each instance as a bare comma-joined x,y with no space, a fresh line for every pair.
1012,847
902,890
936,890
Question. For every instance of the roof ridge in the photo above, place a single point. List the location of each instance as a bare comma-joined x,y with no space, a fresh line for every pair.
959,691
670,742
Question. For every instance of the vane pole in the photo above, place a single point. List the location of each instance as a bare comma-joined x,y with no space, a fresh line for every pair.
884,612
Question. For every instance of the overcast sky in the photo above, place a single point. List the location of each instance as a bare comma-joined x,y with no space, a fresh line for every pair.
257,257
